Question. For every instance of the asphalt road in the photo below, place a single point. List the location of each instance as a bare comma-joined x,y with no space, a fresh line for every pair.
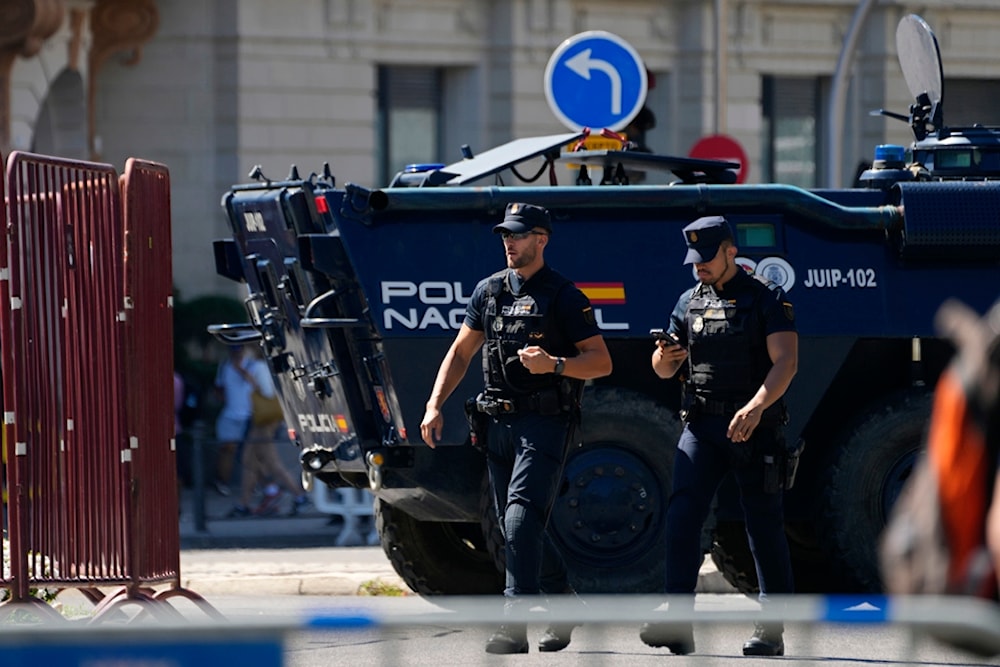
318,631
280,608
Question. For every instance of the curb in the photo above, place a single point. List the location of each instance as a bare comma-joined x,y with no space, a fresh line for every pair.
711,581
331,585
346,585
339,579
209,541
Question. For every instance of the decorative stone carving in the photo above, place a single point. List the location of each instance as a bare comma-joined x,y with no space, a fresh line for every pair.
121,25
26,24
117,26
77,23
24,27
16,19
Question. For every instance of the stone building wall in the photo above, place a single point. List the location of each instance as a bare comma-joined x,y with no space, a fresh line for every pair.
223,85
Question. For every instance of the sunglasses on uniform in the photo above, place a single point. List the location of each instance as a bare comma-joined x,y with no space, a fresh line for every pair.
519,236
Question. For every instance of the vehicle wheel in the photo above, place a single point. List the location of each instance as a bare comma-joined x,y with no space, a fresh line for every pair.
866,476
609,513
732,557
437,558
810,561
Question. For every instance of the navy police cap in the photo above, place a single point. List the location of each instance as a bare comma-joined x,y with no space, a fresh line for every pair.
520,218
703,237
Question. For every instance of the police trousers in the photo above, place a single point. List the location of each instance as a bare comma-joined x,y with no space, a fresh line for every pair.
703,458
525,454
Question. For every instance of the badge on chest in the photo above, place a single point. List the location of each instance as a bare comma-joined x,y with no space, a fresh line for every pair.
519,309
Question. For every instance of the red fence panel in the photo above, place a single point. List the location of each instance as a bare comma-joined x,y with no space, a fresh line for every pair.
86,322
86,343
5,569
148,361
64,408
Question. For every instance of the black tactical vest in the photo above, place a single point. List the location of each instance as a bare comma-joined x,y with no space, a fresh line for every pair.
514,321
727,347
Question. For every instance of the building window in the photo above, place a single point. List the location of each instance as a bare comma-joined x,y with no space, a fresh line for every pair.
409,117
791,130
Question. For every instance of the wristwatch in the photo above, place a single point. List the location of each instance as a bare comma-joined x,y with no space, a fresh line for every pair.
560,365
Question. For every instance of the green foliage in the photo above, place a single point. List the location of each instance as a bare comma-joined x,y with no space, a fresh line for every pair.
197,352
47,595
377,587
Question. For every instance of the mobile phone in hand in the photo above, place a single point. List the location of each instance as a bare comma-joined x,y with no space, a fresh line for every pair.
660,334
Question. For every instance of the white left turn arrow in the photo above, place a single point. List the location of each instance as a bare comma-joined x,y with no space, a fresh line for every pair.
582,64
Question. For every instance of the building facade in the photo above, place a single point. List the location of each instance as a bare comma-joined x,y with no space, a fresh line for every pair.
212,88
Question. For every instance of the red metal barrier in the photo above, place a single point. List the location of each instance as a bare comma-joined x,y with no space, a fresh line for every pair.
148,354
6,577
62,378
87,354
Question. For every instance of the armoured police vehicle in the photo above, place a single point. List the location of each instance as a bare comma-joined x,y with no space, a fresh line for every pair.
356,292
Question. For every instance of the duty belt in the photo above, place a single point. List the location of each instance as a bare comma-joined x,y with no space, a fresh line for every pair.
708,406
774,415
495,406
541,402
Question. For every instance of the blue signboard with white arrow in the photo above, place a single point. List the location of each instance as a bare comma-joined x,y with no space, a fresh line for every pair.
597,80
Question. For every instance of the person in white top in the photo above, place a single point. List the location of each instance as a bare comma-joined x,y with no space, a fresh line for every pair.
233,384
261,461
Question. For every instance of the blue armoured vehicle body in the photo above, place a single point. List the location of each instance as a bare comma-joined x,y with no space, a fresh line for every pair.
356,293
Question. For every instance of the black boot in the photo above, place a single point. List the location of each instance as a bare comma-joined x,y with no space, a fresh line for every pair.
679,638
766,640
556,637
509,638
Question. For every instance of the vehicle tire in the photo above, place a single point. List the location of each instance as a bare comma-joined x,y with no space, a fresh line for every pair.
732,557
863,482
810,561
609,514
437,558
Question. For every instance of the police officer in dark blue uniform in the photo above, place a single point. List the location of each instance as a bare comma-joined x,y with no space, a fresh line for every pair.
737,334
540,342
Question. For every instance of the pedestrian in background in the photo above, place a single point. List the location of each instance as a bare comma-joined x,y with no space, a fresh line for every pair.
178,401
541,342
182,472
233,383
736,333
261,465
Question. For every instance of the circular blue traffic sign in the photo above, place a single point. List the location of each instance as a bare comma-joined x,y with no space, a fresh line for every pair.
595,79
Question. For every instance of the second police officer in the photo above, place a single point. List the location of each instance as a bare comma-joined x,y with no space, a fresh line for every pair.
737,334
541,342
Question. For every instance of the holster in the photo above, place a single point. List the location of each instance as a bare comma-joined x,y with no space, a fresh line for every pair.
478,424
773,470
792,462
781,467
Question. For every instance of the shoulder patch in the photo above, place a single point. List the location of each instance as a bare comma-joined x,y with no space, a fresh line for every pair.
588,316
786,307
496,283
764,280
